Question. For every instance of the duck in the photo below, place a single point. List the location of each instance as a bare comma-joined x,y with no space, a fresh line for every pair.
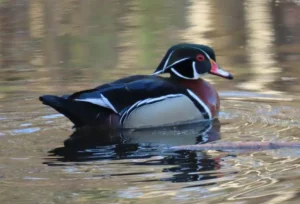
154,100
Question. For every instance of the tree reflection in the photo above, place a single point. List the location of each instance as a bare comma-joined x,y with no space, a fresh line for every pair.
95,40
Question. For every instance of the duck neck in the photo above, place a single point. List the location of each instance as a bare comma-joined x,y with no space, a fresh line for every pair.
194,85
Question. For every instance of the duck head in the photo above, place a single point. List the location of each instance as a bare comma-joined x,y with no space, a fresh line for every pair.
190,61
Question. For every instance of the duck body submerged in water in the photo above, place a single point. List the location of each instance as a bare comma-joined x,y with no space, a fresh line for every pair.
142,101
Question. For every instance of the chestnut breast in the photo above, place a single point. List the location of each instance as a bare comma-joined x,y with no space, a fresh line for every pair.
206,92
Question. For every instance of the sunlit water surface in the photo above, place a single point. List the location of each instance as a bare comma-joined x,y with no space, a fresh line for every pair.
64,46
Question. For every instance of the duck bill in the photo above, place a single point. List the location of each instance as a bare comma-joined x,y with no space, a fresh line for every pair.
216,70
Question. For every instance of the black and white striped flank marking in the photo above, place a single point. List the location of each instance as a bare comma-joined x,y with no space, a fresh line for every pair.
201,105
147,101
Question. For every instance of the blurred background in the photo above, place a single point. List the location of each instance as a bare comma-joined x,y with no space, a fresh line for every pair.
79,44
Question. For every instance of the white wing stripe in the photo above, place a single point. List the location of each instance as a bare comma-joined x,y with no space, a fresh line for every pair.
96,101
102,101
109,103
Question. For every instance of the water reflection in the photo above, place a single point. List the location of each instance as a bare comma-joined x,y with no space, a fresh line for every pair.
188,166
61,46
145,147
70,41
261,58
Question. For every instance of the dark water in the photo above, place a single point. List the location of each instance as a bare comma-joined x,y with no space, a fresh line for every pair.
58,47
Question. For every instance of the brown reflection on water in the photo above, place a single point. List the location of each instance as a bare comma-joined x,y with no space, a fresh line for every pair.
72,41
287,26
259,46
96,41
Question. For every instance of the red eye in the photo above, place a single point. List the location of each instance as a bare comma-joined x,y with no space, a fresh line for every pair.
200,57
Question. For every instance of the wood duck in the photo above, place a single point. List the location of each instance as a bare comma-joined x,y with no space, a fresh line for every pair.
143,101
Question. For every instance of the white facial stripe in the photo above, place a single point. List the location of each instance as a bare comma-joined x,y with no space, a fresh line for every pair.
166,63
178,74
178,62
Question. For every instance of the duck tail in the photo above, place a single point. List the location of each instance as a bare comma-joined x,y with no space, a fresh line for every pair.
78,112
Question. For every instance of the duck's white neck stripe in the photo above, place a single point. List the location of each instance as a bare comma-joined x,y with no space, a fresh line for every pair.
201,103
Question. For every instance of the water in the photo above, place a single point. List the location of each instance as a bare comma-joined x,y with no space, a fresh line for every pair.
58,47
